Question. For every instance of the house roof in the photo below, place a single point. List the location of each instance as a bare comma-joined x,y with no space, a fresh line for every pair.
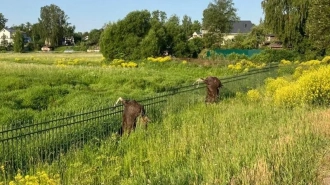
242,27
9,29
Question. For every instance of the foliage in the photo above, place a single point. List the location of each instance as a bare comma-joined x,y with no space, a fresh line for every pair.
253,95
35,84
217,19
53,23
287,19
317,24
245,65
123,63
159,59
195,46
94,37
40,178
149,45
3,21
155,36
219,15
269,56
310,86
272,145
18,42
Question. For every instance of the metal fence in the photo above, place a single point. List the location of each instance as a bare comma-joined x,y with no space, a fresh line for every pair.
45,140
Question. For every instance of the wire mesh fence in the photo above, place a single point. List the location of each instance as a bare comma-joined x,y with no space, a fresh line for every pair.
32,142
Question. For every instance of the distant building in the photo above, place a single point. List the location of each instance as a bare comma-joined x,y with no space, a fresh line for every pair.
7,36
68,41
272,42
196,34
238,27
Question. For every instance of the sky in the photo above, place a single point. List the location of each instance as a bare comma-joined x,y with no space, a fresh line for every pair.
86,15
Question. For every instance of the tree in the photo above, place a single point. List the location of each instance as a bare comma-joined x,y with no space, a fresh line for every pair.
36,36
287,20
158,19
196,26
18,41
94,37
195,46
3,21
175,38
149,45
218,18
318,25
122,39
52,24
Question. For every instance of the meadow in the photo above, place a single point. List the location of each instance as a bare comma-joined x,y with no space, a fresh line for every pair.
34,85
275,132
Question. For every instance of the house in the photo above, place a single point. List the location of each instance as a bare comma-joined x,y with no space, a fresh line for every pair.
68,41
272,42
238,27
7,36
196,34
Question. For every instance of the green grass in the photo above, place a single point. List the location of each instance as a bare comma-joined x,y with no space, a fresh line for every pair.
38,84
233,142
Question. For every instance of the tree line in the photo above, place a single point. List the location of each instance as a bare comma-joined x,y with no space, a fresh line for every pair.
300,25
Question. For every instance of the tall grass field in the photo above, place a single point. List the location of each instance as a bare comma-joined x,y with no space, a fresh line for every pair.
267,128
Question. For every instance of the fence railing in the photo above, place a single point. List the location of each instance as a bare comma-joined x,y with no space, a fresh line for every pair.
44,140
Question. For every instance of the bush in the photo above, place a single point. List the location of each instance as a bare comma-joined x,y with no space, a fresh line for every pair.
312,87
41,178
236,57
269,56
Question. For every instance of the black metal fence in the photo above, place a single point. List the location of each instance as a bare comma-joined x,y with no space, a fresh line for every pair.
44,140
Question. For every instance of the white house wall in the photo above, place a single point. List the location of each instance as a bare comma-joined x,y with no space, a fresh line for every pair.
7,34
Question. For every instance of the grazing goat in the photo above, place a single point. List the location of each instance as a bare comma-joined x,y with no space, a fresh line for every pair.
132,110
213,85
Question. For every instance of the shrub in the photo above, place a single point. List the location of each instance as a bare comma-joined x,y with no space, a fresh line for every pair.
312,87
253,95
159,59
269,56
41,178
236,57
273,84
244,65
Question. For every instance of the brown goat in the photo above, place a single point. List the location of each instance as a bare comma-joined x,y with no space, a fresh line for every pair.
213,85
132,110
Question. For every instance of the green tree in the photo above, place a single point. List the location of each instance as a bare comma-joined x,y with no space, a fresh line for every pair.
53,22
157,22
94,37
36,36
318,25
195,46
3,21
149,45
175,38
18,41
218,18
187,26
287,20
196,26
108,42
